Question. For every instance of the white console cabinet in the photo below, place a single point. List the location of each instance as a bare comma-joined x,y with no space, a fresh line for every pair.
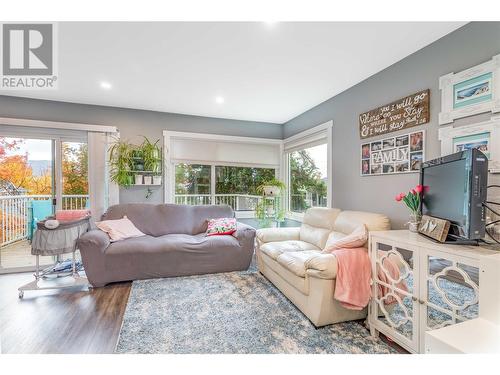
420,285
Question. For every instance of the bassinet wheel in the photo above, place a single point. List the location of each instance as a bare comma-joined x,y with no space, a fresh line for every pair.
21,294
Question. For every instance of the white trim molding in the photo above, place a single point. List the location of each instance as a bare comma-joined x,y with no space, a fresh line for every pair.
447,82
449,133
57,125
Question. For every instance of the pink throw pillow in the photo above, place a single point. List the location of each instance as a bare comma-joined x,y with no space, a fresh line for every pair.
70,215
222,226
119,229
356,239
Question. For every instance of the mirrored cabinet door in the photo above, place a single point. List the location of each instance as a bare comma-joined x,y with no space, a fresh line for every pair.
396,290
451,290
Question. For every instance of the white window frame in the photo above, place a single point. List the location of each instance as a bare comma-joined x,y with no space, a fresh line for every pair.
169,164
304,140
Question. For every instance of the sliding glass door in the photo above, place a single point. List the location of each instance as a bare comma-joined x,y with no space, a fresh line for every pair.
27,195
38,175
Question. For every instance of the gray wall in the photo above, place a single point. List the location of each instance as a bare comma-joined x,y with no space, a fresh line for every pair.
133,124
472,44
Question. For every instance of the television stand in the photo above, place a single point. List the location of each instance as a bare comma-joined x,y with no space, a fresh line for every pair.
455,240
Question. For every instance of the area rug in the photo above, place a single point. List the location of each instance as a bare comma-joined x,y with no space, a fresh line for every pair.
238,312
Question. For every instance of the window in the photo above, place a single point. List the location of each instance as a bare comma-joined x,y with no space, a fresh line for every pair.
307,161
192,184
308,178
235,186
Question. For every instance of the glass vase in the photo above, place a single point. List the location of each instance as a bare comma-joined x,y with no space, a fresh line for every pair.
414,222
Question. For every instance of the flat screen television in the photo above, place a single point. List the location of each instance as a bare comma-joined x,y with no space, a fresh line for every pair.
455,190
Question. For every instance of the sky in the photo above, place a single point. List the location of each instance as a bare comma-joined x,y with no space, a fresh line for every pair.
319,155
38,149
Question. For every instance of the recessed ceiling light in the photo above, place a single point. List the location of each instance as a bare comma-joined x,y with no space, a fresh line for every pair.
106,85
219,99
270,24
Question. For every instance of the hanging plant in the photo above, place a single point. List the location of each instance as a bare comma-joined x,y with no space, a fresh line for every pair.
271,188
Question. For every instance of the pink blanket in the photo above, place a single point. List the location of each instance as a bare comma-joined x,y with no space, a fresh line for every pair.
353,281
70,215
352,285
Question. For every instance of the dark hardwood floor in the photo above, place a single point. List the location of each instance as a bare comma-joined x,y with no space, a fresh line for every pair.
61,321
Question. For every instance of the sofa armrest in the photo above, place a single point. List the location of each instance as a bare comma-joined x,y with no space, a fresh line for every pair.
93,240
322,266
278,234
245,234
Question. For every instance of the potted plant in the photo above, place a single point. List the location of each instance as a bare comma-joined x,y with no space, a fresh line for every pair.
271,188
138,179
137,159
120,162
151,155
157,180
412,200
268,210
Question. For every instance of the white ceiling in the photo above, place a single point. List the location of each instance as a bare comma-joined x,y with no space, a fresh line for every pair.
265,72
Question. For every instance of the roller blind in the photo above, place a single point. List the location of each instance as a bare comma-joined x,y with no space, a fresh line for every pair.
224,152
311,140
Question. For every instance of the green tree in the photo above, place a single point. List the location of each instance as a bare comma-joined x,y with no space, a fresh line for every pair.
305,177
241,180
75,168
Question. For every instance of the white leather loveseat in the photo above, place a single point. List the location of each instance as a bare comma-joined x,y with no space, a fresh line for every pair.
292,260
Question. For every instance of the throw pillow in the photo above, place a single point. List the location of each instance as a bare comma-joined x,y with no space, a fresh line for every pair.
222,226
119,229
356,239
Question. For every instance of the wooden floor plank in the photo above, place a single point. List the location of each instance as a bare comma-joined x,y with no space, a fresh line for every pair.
59,321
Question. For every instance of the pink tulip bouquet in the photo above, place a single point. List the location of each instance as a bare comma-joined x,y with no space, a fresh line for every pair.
412,200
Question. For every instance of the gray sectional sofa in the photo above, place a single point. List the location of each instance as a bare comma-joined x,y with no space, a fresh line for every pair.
174,244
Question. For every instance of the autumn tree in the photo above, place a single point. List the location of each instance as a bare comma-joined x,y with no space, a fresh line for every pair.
75,168
16,171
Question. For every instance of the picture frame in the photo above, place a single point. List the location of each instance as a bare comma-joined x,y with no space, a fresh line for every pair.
402,153
483,135
470,92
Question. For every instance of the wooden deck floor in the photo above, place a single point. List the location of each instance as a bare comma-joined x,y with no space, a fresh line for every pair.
18,255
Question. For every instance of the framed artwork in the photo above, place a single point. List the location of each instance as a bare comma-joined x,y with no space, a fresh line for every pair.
475,90
484,136
398,154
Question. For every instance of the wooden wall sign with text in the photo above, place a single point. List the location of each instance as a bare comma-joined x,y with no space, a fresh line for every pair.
410,111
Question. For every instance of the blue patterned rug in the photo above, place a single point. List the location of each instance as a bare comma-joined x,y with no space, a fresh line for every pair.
238,312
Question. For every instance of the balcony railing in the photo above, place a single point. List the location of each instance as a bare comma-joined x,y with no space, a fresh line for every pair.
16,217
245,202
301,202
239,202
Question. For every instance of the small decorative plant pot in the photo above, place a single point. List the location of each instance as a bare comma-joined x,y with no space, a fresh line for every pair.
271,191
156,180
270,211
148,180
138,179
414,222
